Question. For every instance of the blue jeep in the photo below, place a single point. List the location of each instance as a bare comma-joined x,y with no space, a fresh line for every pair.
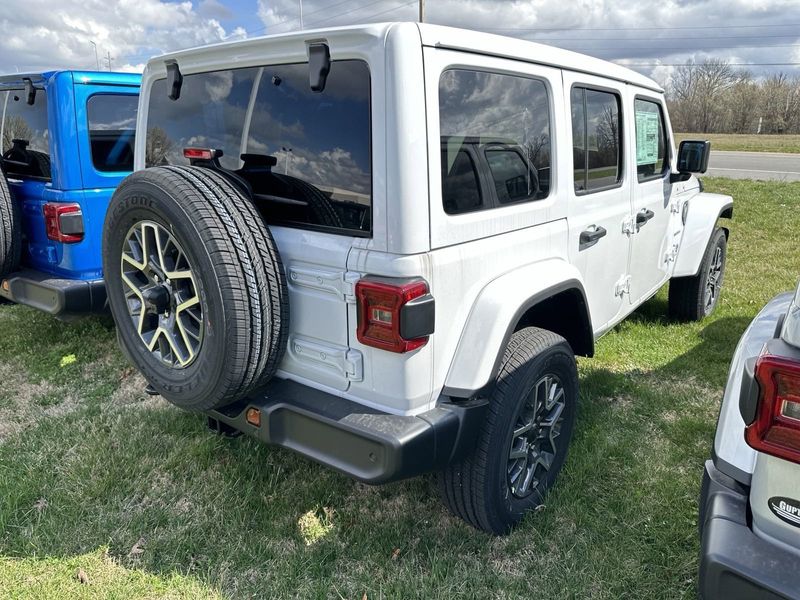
67,142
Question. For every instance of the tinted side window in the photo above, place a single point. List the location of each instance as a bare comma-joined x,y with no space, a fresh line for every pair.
112,127
460,187
513,180
306,156
504,122
26,138
651,139
599,146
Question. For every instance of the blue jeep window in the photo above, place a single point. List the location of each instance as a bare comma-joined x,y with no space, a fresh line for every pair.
305,157
112,125
26,147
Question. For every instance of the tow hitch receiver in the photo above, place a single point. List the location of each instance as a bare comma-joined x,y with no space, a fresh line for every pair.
218,427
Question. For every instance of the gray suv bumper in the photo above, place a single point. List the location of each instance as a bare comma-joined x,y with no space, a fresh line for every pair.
734,562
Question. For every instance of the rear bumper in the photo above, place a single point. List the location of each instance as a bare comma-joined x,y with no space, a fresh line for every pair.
366,444
734,562
57,296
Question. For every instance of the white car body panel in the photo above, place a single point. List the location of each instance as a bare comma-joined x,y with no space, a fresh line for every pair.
704,210
481,267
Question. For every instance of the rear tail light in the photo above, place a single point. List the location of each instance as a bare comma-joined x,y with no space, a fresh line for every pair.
394,315
776,429
63,222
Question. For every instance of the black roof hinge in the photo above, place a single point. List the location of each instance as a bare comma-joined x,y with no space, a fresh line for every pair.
174,80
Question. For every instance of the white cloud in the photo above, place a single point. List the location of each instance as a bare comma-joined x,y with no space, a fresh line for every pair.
40,34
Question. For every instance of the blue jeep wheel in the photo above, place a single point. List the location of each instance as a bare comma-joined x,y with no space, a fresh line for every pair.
10,230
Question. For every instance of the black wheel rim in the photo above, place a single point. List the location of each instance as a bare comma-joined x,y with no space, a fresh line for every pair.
714,279
534,440
161,294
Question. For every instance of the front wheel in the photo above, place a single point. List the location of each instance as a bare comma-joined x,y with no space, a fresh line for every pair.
694,298
523,443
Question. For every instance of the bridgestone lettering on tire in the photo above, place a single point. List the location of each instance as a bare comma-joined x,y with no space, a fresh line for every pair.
237,277
694,298
10,230
484,488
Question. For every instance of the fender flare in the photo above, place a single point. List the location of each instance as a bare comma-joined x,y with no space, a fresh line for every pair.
495,314
704,211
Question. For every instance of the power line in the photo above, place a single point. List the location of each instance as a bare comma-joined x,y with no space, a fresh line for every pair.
666,39
638,28
694,65
684,48
324,9
373,15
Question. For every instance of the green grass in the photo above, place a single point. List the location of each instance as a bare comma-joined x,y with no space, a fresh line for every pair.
746,142
98,478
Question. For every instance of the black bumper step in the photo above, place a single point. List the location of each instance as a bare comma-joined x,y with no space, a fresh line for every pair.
368,445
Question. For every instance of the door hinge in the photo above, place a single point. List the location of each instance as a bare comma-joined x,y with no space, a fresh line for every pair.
628,226
354,365
623,286
349,286
672,254
675,207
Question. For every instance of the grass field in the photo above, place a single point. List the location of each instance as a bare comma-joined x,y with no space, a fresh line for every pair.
105,492
745,142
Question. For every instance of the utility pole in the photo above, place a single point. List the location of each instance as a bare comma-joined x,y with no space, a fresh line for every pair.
108,59
96,60
421,11
301,15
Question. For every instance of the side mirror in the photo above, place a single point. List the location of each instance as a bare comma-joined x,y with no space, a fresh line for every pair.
693,156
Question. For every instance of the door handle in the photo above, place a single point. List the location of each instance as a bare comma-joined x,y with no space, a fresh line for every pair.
591,236
643,216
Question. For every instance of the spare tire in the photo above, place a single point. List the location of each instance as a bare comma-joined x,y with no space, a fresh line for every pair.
10,230
195,285
320,205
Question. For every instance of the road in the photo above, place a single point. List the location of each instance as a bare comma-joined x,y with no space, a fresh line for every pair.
754,165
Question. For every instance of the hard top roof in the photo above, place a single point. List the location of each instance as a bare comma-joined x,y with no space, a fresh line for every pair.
446,37
86,77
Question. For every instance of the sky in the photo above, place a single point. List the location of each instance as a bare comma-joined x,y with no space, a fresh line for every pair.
648,35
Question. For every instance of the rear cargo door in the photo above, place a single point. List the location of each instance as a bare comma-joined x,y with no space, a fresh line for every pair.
307,157
319,290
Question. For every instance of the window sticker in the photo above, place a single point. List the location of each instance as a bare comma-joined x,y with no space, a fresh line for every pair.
646,137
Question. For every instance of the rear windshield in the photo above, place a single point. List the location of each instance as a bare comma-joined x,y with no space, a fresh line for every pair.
112,125
304,156
26,139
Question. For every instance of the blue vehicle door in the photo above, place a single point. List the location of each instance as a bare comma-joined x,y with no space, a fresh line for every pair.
26,148
106,120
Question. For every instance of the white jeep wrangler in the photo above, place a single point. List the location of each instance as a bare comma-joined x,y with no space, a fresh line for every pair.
382,246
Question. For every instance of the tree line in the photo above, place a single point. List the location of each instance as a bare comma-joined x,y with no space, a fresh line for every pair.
715,97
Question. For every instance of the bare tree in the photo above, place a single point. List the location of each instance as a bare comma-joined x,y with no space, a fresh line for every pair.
15,127
157,147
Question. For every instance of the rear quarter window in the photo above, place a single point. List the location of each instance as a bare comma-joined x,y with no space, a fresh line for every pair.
25,135
112,128
500,123
306,156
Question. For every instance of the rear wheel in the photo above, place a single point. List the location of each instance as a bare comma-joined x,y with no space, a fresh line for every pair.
195,285
694,298
523,443
10,230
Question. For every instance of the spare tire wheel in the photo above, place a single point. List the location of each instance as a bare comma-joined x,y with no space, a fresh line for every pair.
10,230
195,285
